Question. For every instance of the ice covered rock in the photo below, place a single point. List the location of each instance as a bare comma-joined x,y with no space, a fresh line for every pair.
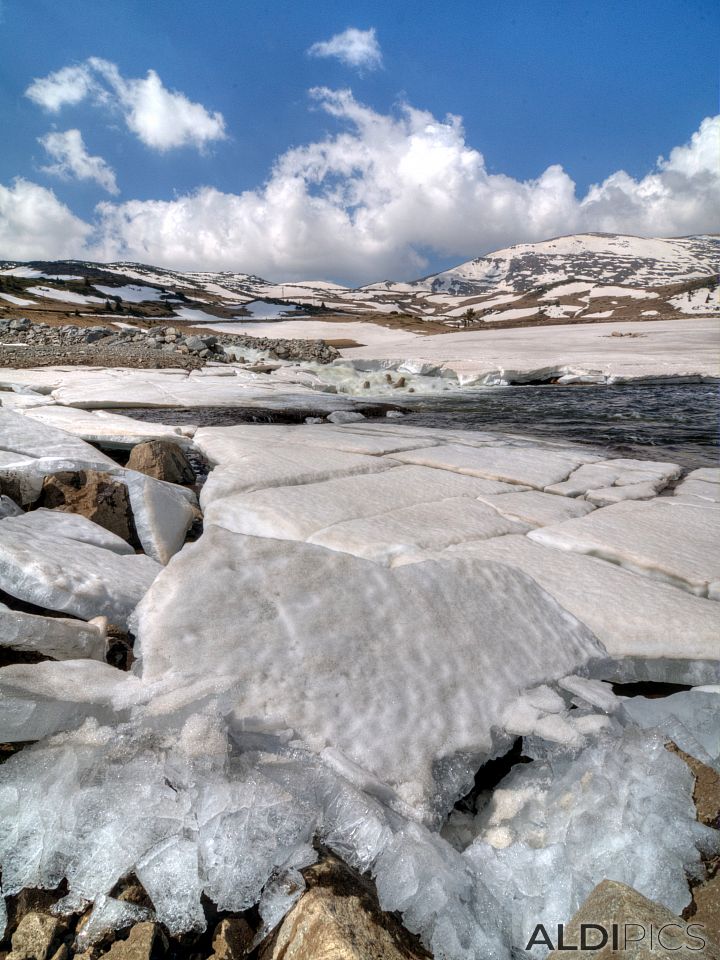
299,512
69,575
109,915
163,514
653,625
555,828
345,416
69,526
691,719
8,508
30,450
664,538
348,681
97,496
56,637
534,465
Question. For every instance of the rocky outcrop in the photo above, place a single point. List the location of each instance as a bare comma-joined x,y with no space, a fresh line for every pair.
161,459
145,942
91,494
339,918
632,926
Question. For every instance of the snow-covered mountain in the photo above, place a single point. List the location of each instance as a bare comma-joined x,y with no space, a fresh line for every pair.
575,278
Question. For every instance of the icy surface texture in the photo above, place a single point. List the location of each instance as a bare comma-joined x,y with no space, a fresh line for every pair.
613,480
691,719
555,828
645,619
387,669
56,637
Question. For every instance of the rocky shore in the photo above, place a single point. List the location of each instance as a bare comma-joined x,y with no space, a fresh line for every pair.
203,762
26,344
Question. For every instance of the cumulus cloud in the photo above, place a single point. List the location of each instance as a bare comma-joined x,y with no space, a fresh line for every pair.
356,48
162,119
372,201
35,225
72,161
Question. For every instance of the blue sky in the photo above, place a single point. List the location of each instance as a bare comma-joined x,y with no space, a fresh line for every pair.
596,88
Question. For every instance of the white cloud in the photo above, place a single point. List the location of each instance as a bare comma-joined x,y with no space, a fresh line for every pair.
356,48
73,161
65,87
35,225
160,118
375,199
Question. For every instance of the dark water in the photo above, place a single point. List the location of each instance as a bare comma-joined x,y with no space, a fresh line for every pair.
677,422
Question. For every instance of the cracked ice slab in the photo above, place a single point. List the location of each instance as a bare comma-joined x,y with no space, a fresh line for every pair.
71,526
534,465
610,481
163,513
536,508
633,616
666,538
703,484
299,512
246,466
409,530
50,570
219,444
387,672
111,429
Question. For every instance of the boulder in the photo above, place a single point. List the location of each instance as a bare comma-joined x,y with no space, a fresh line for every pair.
339,918
706,898
92,494
145,941
232,939
163,460
640,927
35,937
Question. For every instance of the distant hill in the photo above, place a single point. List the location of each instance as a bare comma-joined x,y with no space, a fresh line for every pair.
580,278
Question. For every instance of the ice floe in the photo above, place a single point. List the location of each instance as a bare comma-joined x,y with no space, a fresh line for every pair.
665,538
57,637
57,572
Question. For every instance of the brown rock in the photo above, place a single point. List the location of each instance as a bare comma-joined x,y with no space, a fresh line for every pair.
644,929
163,460
145,942
35,937
92,494
232,939
339,918
706,792
706,898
